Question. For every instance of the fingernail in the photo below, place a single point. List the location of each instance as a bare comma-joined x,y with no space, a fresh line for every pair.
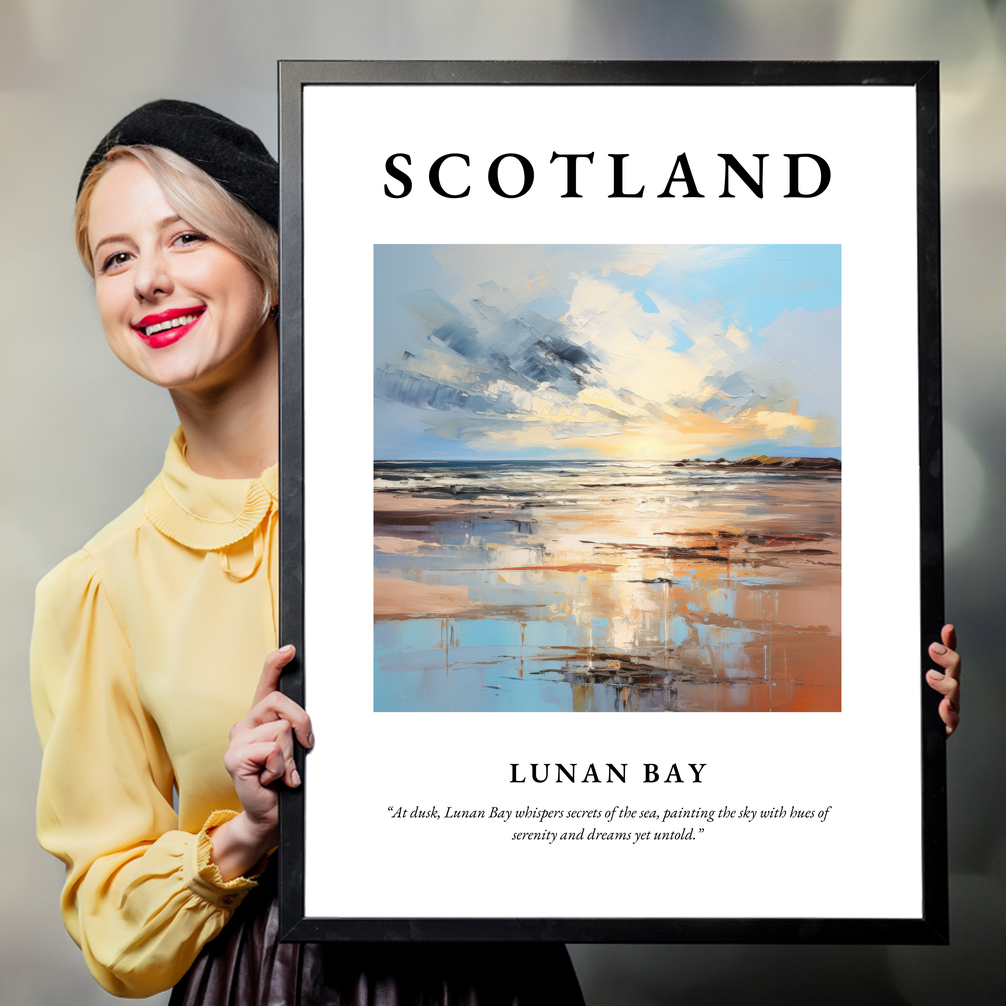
310,740
937,675
938,648
287,649
295,777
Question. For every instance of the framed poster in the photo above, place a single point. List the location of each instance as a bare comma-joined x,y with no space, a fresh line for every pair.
634,370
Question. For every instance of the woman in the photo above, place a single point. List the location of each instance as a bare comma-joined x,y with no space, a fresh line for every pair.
149,643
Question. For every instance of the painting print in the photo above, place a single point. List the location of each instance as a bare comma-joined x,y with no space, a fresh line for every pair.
607,478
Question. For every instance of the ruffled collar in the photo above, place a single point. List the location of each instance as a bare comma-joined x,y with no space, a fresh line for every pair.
203,513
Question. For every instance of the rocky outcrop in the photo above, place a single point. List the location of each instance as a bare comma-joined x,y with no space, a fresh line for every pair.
806,464
764,461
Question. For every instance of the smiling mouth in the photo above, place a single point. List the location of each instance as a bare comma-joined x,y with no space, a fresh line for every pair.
185,319
167,321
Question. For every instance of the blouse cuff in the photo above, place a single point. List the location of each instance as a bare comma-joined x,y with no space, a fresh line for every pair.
202,876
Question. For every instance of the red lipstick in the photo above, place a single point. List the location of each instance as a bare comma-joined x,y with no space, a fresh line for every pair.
166,325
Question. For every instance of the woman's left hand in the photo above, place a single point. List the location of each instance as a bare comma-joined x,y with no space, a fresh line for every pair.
948,681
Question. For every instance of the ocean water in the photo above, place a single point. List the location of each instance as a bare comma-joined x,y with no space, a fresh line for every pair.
606,586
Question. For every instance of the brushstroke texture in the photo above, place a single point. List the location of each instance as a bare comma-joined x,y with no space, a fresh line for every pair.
608,478
603,352
585,585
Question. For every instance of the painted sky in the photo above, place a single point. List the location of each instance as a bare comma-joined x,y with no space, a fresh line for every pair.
607,351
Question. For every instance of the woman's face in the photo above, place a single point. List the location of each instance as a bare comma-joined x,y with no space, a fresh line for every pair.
177,308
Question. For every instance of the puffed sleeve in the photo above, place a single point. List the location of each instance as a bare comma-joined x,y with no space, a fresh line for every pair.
141,897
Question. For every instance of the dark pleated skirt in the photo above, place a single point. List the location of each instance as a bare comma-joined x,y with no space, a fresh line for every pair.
246,965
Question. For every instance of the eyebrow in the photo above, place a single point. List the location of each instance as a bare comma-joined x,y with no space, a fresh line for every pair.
111,238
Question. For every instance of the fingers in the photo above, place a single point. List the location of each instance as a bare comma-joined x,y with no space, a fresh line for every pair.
261,749
949,636
949,714
279,764
265,751
270,703
947,681
261,762
951,717
271,671
945,655
949,688
948,660
277,706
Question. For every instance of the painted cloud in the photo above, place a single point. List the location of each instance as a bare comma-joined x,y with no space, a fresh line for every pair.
606,351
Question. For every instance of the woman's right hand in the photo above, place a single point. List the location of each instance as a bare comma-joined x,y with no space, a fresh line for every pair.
259,754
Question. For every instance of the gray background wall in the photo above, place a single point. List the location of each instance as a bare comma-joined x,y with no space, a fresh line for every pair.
82,436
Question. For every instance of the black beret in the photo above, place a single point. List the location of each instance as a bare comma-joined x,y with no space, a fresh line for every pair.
231,154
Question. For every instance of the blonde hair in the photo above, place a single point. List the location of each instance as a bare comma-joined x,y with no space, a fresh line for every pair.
199,200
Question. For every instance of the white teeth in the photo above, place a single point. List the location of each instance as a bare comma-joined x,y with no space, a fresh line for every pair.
173,323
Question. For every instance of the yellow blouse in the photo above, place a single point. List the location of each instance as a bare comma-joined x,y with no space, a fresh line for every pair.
147,647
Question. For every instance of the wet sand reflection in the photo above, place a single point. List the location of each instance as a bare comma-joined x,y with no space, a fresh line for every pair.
593,586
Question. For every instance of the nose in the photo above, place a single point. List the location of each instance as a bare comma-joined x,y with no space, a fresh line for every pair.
152,276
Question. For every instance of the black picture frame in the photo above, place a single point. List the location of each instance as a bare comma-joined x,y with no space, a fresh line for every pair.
931,927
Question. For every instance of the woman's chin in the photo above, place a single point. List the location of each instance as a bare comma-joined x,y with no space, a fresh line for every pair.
172,374
197,365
